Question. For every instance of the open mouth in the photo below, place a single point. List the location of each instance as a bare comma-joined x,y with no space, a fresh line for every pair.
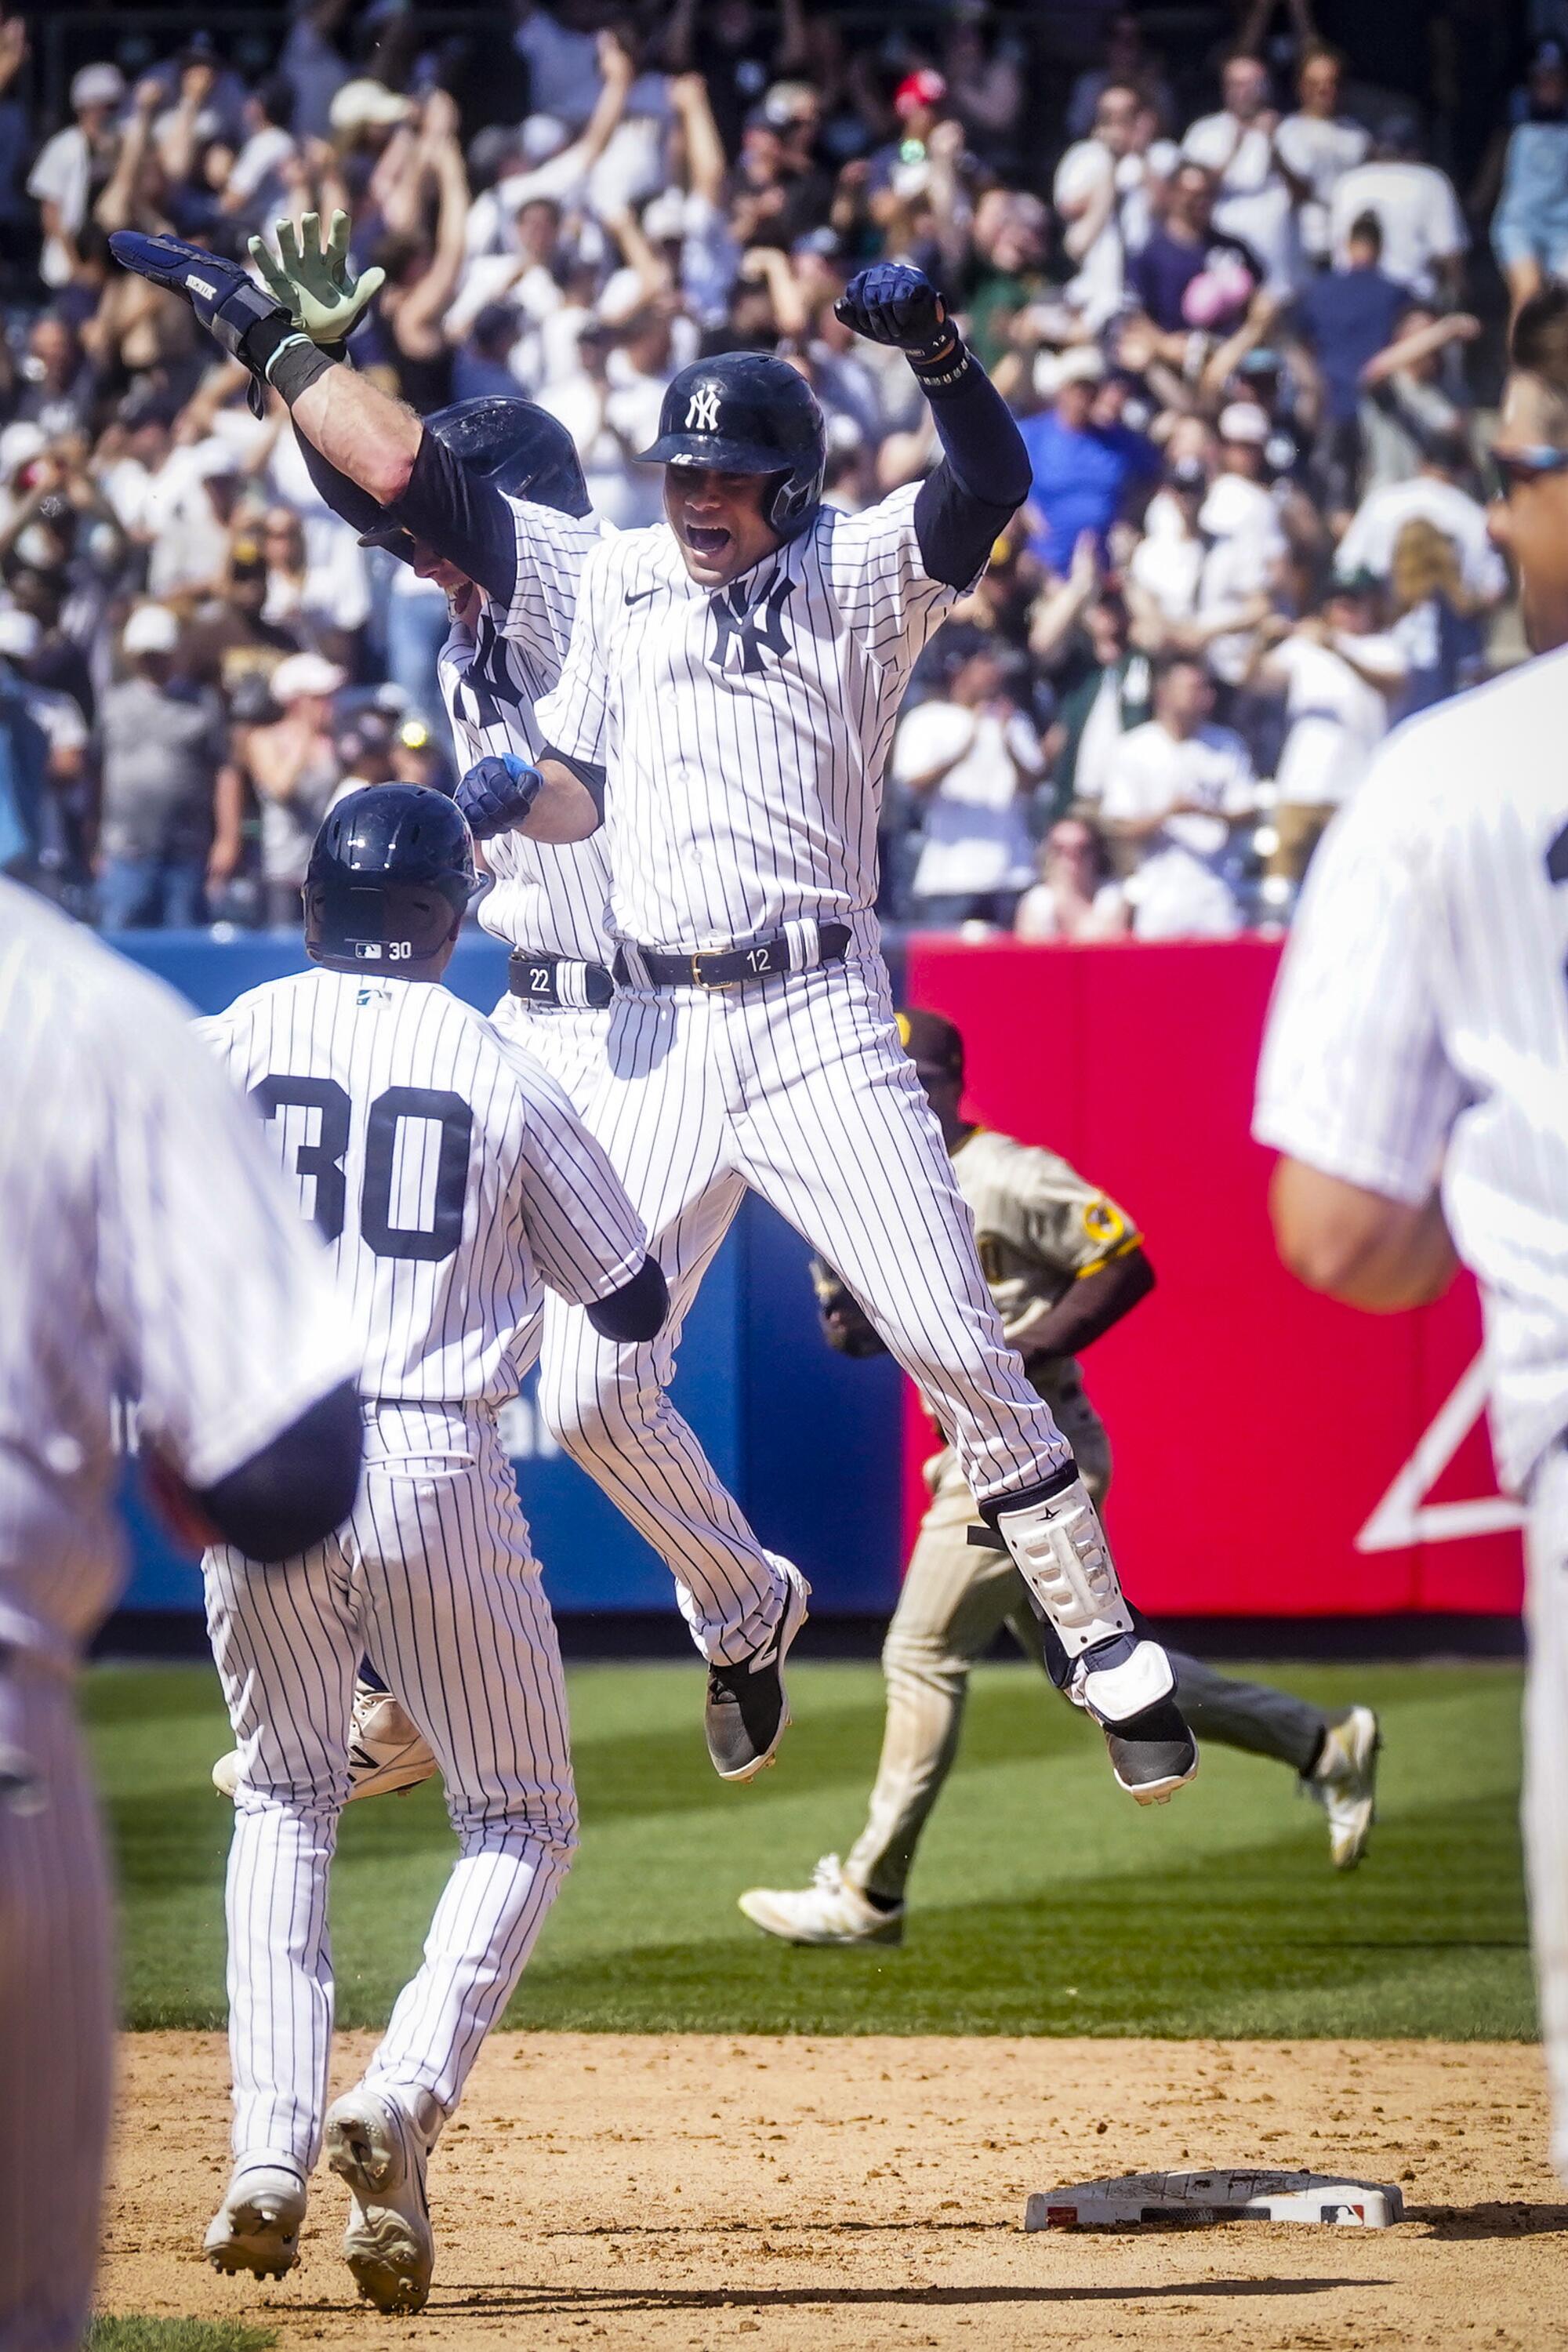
707,538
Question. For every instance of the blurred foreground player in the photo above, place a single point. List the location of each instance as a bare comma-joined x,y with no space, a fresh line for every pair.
1416,1070
1065,1265
150,1251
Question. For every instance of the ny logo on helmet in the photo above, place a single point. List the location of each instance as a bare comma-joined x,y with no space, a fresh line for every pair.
753,627
702,409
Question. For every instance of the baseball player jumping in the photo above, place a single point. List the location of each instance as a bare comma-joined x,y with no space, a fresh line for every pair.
449,1173
1064,1264
487,498
1416,1068
152,1249
725,712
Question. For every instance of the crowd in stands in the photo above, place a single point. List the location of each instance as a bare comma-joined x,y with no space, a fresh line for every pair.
1235,306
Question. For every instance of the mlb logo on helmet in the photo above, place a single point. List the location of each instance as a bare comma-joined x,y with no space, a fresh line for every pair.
702,411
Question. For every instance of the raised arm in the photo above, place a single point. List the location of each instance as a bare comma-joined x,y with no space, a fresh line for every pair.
984,474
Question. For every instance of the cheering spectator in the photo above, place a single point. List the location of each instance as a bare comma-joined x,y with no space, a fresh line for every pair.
1173,790
170,798
1076,897
1436,497
1530,228
1189,274
73,168
1340,675
1345,318
1081,633
1317,145
1424,235
294,768
971,759
1435,624
1412,395
1086,473
1255,192
1099,180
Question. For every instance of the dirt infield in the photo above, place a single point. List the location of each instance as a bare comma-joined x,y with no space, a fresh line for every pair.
687,2190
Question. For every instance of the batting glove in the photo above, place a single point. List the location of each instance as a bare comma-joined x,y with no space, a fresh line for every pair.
890,303
310,276
497,794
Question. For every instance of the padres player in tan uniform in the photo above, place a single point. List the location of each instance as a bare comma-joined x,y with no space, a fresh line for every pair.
1064,1264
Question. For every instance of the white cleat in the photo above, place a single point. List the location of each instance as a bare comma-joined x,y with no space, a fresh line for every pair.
257,2227
1344,1782
388,2245
828,1911
388,1754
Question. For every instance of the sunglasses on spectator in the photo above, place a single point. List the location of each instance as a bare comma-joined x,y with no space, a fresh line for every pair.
1514,469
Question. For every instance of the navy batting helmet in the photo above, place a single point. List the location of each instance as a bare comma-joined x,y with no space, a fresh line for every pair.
391,872
746,413
514,444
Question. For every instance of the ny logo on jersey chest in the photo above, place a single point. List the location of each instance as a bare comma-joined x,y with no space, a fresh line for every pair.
753,627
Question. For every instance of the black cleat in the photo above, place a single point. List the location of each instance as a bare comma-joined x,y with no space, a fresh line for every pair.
1153,1754
747,1713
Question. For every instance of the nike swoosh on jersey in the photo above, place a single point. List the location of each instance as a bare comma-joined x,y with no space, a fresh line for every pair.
636,595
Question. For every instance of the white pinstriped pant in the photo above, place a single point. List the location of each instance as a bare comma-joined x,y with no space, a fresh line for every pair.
55,2014
433,1580
641,1451
799,1088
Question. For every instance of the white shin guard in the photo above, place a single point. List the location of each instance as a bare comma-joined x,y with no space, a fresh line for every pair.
1060,1549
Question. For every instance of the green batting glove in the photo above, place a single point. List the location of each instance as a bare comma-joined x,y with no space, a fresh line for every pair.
311,279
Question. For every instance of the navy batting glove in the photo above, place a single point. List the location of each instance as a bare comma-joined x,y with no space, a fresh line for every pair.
890,303
497,794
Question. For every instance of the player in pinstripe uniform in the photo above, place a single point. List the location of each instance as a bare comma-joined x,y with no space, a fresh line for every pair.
487,499
725,711
1065,1264
449,1174
1416,1068
728,699
150,1248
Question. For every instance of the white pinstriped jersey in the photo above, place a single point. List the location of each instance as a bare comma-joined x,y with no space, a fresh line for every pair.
744,729
150,1252
548,899
1421,1021
448,1171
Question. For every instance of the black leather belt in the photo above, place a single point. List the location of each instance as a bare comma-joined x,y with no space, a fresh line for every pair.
729,967
557,979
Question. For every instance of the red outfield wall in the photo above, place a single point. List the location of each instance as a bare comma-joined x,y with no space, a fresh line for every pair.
1275,1454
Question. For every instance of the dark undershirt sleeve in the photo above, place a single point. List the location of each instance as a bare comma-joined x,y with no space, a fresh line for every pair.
588,773
637,1311
981,483
298,1490
463,516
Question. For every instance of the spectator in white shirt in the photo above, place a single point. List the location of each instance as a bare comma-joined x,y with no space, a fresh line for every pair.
1075,898
1424,235
1173,790
255,190
973,759
1165,573
1339,674
1436,497
1258,192
1247,546
1319,145
74,165
1096,181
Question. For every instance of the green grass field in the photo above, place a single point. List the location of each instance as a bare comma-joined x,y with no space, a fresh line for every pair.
1044,1902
